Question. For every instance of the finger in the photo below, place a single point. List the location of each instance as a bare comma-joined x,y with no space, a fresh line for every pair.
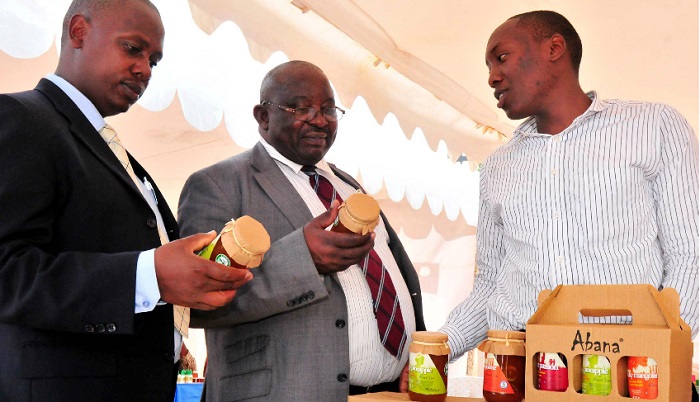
222,273
215,299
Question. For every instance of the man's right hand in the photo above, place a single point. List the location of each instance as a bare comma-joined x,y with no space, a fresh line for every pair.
331,251
188,280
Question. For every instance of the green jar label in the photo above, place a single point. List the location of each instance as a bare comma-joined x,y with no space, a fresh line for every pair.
423,376
596,375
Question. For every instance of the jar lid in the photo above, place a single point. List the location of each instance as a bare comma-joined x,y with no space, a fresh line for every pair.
429,337
501,342
359,213
248,241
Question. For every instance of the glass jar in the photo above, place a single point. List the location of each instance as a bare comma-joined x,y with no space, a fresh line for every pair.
359,213
504,366
642,377
242,243
427,367
595,375
552,373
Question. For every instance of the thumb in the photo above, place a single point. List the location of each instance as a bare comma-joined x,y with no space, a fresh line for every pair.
327,218
200,240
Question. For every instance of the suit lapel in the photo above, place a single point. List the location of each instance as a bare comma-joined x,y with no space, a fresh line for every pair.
278,188
84,132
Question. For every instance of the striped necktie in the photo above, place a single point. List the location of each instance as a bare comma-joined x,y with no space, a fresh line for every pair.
385,302
181,315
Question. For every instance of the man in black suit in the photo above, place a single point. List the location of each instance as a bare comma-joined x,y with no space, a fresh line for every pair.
85,282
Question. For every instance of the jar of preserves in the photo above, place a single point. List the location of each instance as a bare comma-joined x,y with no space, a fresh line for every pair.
595,375
642,377
427,367
504,366
552,373
242,243
359,213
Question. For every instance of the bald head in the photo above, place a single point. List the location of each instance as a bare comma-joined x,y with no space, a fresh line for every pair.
279,77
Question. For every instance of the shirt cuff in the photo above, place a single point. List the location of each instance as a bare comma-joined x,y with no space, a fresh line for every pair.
147,292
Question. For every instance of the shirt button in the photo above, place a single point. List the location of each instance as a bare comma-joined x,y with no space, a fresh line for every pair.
100,328
557,215
560,260
151,222
554,172
89,328
111,327
146,304
340,323
342,377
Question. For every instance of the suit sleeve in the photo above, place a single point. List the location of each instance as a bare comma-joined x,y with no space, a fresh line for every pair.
286,280
45,283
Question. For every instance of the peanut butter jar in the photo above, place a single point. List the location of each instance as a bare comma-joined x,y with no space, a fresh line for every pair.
358,214
242,243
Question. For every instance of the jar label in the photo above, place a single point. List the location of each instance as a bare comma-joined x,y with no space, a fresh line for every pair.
423,376
552,374
642,377
596,375
494,379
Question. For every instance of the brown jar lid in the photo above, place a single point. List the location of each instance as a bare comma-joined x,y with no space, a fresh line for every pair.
429,337
359,213
246,241
501,342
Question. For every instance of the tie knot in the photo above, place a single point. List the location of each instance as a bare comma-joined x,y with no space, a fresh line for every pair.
309,170
109,135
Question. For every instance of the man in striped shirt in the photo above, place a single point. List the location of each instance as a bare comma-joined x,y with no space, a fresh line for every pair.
588,191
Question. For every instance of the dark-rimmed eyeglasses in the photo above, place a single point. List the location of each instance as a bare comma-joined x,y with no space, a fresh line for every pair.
333,113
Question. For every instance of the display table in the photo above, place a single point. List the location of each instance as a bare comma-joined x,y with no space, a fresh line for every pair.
394,396
188,392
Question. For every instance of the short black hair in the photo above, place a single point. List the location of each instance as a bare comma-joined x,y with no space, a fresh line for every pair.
544,24
92,8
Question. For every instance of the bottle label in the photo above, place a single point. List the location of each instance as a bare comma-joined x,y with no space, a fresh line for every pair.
596,375
642,377
552,374
494,379
423,376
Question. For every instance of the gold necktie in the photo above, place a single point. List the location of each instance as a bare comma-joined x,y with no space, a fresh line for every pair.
181,314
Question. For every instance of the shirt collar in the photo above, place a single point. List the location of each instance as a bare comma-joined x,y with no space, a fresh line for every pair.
296,168
529,126
80,100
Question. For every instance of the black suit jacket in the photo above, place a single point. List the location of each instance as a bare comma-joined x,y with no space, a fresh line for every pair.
72,225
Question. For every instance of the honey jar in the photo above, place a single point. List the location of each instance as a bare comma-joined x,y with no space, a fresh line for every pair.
504,366
427,367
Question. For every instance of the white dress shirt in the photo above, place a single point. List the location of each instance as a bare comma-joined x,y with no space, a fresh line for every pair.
612,199
370,362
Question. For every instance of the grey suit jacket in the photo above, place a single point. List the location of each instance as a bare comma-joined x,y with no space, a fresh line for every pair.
284,337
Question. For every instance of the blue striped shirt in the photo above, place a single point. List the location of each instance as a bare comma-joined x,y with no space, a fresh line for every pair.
612,199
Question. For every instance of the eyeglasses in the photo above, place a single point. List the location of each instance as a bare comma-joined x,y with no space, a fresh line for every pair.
333,113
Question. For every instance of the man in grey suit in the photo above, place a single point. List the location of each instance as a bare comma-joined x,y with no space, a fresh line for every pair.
303,328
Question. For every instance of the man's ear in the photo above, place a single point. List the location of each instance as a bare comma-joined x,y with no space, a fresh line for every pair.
557,47
77,29
261,116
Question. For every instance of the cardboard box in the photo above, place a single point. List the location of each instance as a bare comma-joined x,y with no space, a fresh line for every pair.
395,396
656,331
